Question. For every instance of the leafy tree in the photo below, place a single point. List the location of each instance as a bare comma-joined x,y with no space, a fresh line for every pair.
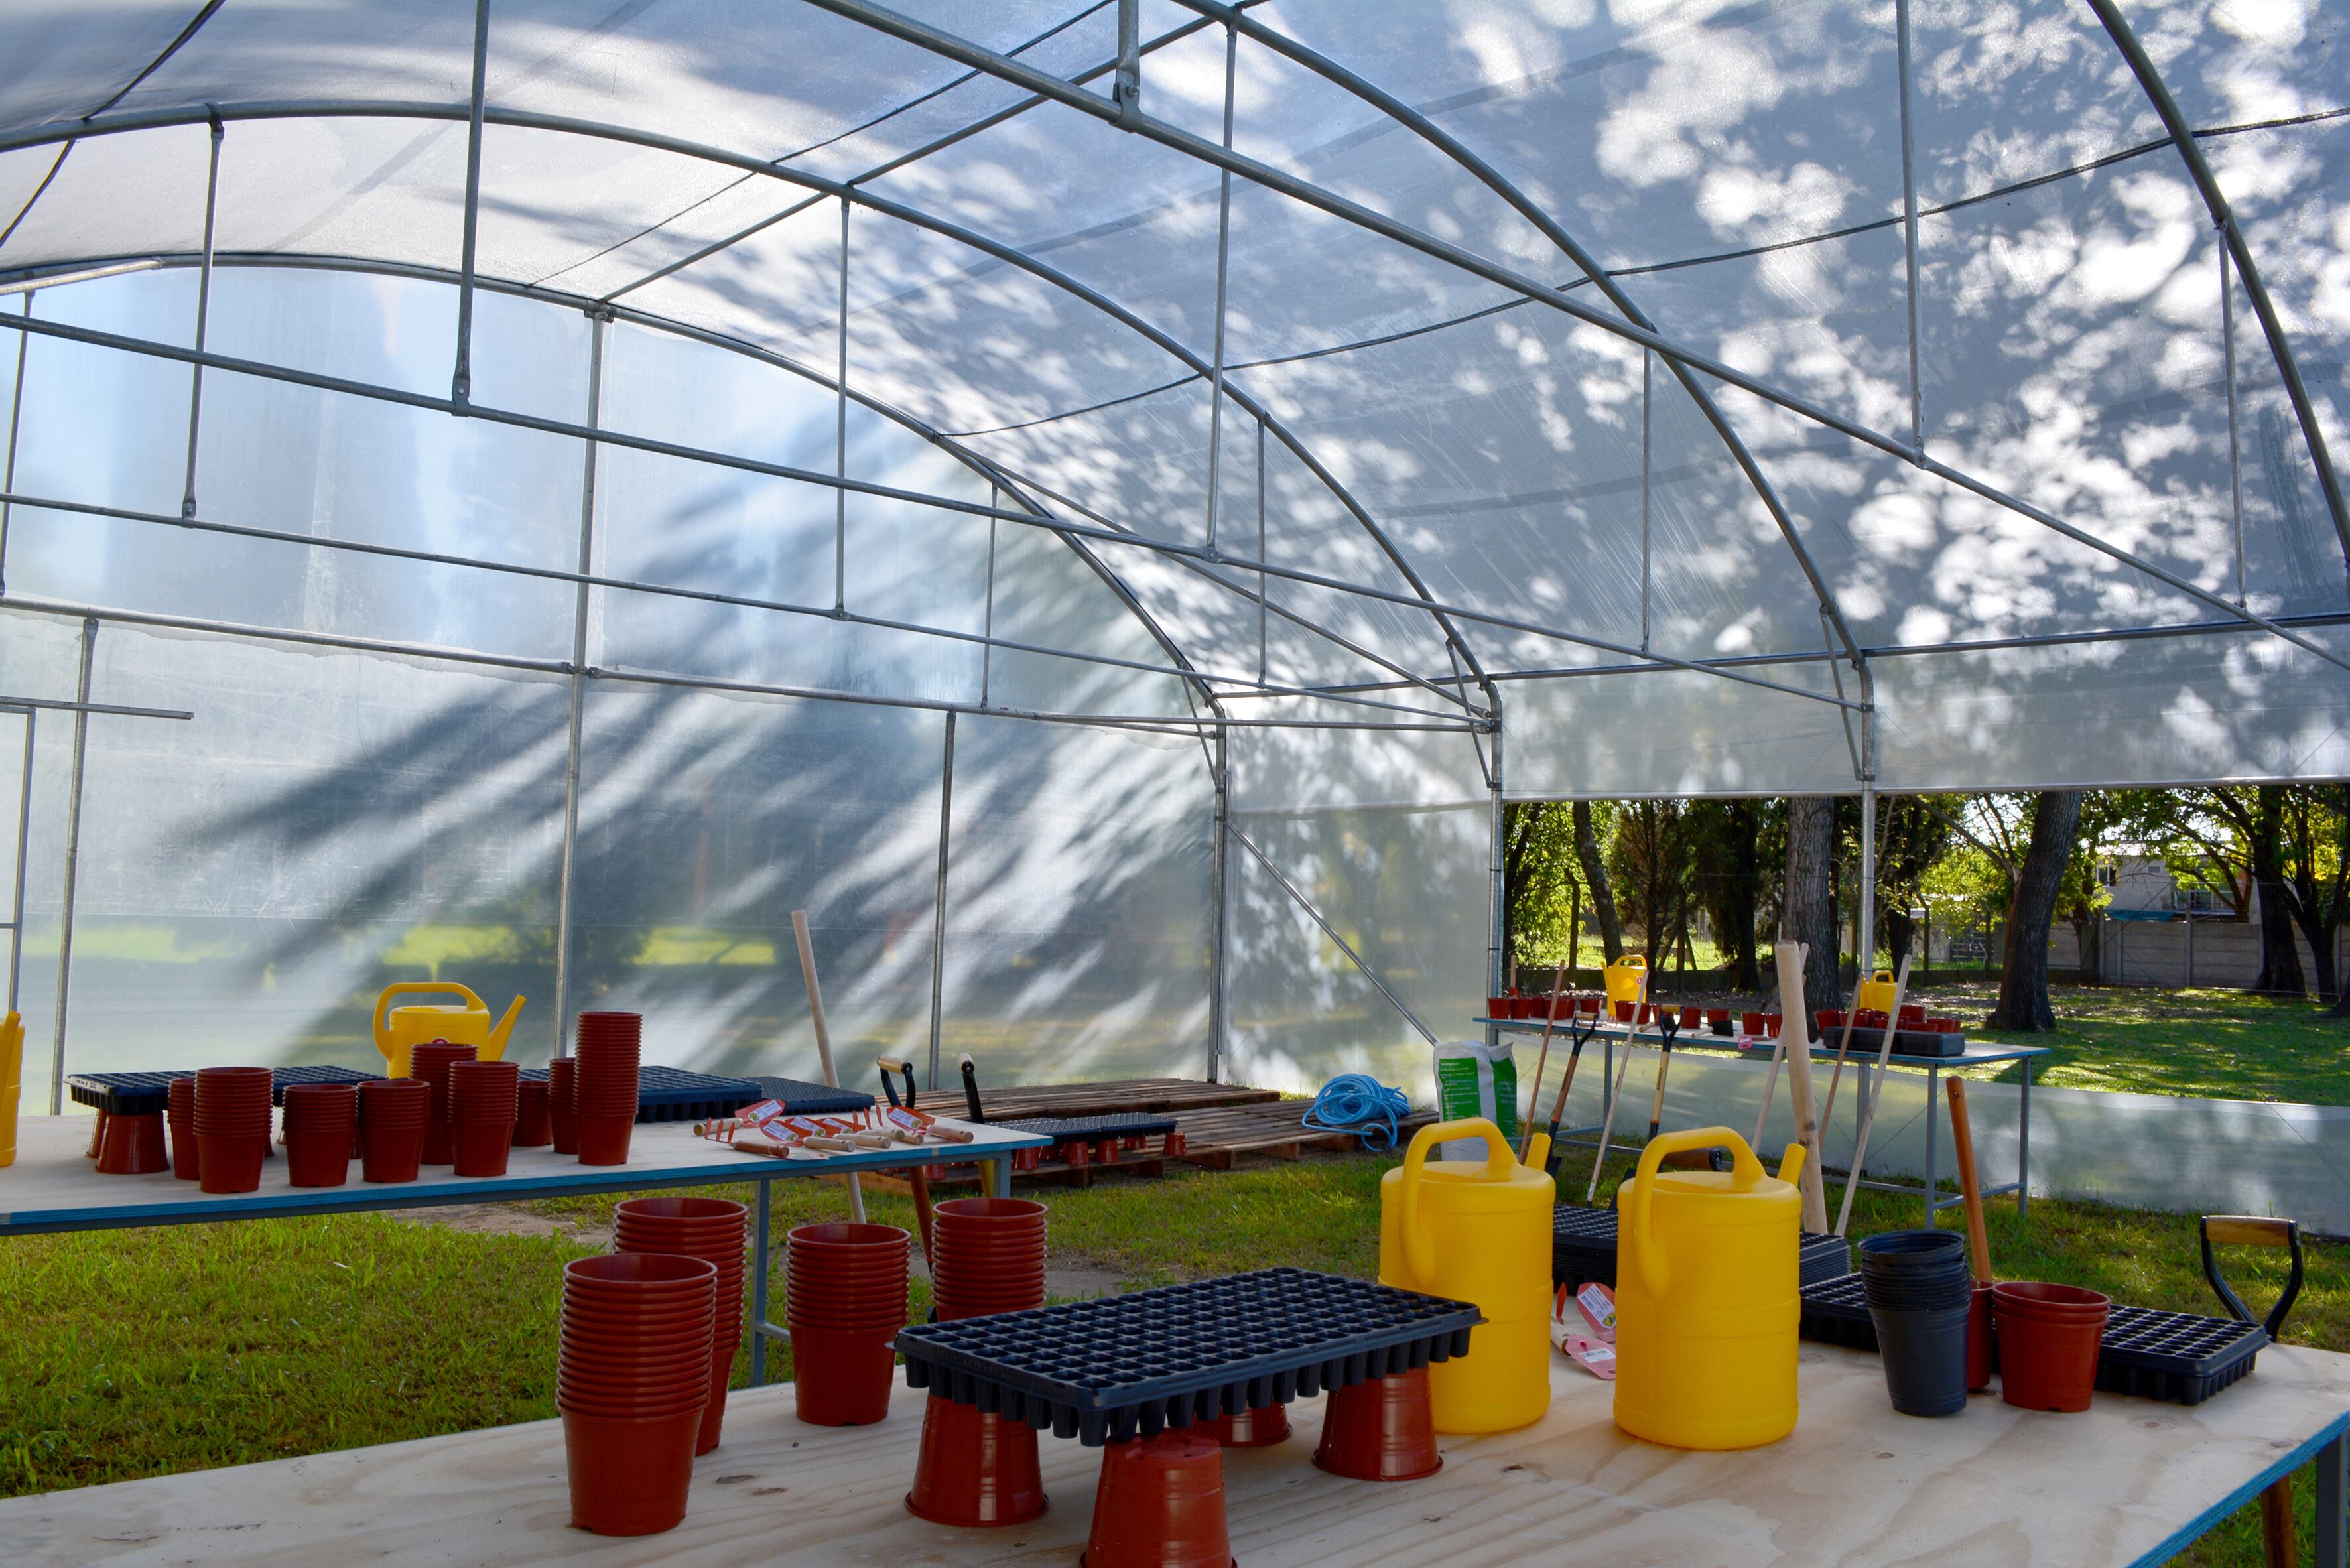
1734,846
1595,828
1916,832
1651,865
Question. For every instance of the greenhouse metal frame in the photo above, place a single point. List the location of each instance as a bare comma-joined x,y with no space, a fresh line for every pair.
1838,547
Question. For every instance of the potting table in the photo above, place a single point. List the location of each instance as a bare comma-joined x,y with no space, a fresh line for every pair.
1977,1054
53,1186
2129,1483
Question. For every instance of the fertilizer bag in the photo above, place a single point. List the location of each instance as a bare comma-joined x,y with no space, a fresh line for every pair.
1473,1079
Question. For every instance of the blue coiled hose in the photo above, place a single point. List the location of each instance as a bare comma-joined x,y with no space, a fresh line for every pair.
1359,1103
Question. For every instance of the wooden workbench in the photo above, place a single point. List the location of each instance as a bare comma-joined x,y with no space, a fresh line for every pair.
2129,1482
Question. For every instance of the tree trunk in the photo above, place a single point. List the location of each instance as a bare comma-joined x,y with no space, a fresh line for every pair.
2279,958
1900,931
2030,912
1594,877
1746,881
1808,906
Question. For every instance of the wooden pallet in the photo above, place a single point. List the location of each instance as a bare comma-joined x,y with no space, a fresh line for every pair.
1219,1136
1145,1094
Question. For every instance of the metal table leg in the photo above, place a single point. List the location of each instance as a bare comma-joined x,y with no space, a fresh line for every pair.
998,1177
759,1261
2024,1145
1933,1176
2331,1549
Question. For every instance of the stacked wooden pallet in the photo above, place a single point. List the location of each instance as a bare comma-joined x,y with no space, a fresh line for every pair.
1148,1094
1216,1137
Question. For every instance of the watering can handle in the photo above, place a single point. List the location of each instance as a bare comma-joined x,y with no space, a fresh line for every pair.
1637,1239
413,988
1501,1159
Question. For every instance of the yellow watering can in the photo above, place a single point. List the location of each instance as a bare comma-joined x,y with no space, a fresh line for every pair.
1478,1233
1626,978
399,1028
1876,994
1706,1301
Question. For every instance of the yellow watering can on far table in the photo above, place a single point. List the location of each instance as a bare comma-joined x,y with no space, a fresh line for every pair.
1626,978
1706,1298
399,1028
1477,1233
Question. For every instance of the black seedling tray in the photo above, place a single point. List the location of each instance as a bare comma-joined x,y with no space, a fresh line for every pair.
1112,1368
1920,1042
1116,1124
146,1094
1582,1248
2181,1358
805,1099
675,1094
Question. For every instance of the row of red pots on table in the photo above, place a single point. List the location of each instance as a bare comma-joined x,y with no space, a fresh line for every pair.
1867,1019
632,1381
714,1230
987,1256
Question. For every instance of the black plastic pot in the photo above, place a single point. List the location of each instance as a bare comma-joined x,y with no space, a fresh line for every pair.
1925,1358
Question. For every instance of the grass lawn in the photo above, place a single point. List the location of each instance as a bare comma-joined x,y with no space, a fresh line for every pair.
138,1352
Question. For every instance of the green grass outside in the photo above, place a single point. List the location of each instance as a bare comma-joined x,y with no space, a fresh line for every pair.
137,1353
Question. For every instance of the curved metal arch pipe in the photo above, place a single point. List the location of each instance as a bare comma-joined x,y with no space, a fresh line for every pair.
2223,217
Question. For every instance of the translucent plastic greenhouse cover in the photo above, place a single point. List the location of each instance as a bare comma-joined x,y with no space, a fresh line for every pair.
1098,500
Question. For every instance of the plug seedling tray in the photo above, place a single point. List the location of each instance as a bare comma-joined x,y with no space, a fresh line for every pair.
800,1098
146,1094
676,1095
1116,1124
1582,1248
1112,1368
2179,1358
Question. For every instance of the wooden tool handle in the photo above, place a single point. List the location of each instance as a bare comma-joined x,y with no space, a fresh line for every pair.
1962,1146
2247,1230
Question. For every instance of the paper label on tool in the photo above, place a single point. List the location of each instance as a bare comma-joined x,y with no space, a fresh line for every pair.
1596,1356
1474,1079
1597,1305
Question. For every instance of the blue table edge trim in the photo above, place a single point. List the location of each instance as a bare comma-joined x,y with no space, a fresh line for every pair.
2186,1534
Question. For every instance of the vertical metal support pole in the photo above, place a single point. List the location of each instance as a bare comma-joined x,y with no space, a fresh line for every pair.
2330,1549
461,384
761,1227
1126,90
2023,1146
2235,451
73,866
2191,945
987,649
1865,947
1260,554
15,418
203,316
1497,960
1219,897
1223,259
566,882
1646,364
1933,1116
24,838
939,903
1909,224
840,434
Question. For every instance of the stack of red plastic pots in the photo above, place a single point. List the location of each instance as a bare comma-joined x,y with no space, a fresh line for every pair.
482,1116
133,1146
2048,1341
186,1163
845,1300
318,1122
604,1088
562,1074
710,1229
392,1113
232,1120
430,1062
987,1256
534,1126
632,1381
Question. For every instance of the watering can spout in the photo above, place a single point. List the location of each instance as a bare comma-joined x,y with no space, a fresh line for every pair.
498,1047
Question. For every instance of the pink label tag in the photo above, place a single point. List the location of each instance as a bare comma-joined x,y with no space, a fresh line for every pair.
1596,1304
1594,1355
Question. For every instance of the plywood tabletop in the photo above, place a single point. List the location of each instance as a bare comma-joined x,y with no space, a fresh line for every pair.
53,1186
1856,1484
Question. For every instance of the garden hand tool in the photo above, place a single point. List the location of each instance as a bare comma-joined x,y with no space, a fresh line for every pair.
918,1176
1580,1032
2277,1533
824,1042
1962,1145
1533,1095
970,1091
1875,1093
1670,1024
1608,1122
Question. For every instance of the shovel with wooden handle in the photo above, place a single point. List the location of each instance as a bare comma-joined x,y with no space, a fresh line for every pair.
1580,1032
1608,1122
823,1040
1670,1023
1533,1095
1962,1148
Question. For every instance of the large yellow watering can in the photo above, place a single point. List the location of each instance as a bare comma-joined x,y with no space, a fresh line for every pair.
1477,1233
399,1028
1706,1298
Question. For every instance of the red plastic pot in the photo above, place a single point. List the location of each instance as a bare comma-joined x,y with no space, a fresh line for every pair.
1256,1429
228,1162
616,1374
534,1126
133,1145
1002,1214
562,1077
1770,1026
483,1091
390,1149
1750,1023
1381,1430
430,1061
1497,1007
1692,1015
182,1117
843,1236
1174,1145
2048,1338
1160,1504
629,1477
318,1157
480,1147
1826,1018
603,1138
843,1378
722,1372
1717,1015
974,1470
